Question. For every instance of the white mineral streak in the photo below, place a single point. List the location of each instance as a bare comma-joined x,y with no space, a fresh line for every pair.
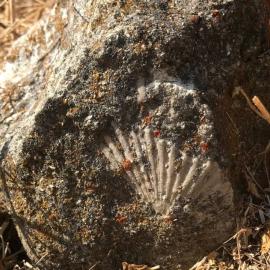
141,91
156,174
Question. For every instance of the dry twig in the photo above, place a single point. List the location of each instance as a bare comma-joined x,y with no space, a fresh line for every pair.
127,266
12,11
261,108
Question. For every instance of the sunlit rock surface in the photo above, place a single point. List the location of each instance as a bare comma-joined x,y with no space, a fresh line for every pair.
112,134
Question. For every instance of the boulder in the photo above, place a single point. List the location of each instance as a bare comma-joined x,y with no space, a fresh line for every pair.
113,134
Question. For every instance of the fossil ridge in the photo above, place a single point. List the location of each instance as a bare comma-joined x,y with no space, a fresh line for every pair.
140,66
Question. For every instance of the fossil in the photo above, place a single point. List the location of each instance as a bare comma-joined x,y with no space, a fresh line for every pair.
159,171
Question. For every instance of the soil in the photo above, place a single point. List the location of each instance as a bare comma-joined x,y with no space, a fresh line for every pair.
219,51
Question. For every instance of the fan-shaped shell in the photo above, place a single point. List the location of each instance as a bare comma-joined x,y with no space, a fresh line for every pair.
158,172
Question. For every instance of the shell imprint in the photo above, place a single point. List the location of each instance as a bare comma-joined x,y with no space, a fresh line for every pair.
150,163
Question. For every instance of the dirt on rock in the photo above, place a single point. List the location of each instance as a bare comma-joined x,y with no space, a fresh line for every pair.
170,66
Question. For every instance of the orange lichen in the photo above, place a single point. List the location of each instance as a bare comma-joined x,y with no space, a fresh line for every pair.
195,19
197,139
84,234
126,6
59,23
168,219
95,83
216,16
126,164
147,120
37,37
139,48
120,219
72,111
13,54
216,13
53,216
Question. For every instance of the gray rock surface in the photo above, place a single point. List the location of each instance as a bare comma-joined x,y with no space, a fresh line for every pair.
93,70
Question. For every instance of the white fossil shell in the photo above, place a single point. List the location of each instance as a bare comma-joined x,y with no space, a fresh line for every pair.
158,176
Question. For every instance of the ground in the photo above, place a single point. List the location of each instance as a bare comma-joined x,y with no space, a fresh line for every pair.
247,138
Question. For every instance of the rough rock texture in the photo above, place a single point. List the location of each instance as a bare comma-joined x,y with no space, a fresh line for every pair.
91,64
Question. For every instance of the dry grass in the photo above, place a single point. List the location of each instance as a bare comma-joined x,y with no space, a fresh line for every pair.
16,16
248,249
8,258
128,266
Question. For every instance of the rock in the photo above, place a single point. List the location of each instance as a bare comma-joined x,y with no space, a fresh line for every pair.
113,141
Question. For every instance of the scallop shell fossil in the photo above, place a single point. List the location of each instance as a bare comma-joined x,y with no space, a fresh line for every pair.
158,175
